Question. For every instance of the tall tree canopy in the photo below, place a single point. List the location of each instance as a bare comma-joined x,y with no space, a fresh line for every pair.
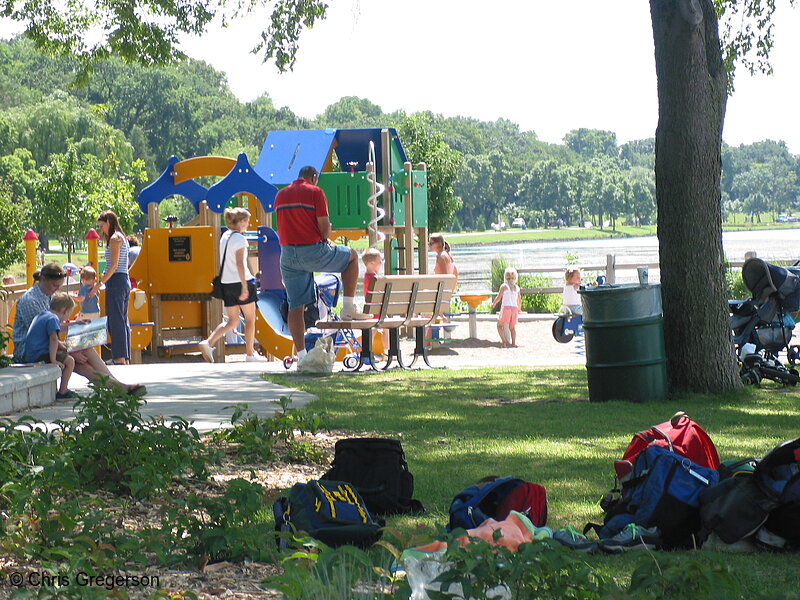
147,31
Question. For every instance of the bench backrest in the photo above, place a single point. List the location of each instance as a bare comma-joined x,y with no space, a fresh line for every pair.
408,295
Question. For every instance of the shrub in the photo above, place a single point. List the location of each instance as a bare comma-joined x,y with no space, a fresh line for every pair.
110,445
257,436
539,303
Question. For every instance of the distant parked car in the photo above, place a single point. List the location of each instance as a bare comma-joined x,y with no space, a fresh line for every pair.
792,219
518,222
781,219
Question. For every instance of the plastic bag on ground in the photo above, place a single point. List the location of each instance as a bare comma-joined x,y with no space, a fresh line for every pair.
320,358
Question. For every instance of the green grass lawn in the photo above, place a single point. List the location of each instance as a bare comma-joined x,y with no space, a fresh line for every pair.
459,426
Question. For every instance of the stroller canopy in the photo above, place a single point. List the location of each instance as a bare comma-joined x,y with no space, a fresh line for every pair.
766,281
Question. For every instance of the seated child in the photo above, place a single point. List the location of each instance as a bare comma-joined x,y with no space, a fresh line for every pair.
373,263
571,298
42,343
90,306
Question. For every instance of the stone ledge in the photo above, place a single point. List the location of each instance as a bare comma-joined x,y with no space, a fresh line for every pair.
24,387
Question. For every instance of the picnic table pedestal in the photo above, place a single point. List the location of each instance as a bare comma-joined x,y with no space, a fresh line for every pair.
474,300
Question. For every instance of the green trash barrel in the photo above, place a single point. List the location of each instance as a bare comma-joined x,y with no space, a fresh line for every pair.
624,335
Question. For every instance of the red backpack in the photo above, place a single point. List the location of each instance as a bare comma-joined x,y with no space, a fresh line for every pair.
528,498
680,435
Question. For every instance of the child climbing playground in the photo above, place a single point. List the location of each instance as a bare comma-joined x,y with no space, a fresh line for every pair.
511,297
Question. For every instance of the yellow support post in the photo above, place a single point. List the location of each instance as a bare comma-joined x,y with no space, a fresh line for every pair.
91,246
30,239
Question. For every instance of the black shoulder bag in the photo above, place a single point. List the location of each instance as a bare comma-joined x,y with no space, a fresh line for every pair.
216,283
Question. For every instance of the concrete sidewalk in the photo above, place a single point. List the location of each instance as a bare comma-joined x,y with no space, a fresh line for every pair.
198,392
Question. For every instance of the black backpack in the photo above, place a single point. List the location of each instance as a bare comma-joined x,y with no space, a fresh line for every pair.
770,497
377,468
310,314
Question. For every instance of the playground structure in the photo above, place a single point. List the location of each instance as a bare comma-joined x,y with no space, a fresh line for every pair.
372,192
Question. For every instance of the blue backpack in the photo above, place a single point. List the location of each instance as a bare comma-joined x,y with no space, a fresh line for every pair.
663,490
494,498
329,511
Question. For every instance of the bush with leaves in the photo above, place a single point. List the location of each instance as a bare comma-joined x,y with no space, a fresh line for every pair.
112,446
257,436
234,526
539,569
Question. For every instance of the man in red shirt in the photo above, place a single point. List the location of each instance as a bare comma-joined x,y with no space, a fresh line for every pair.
303,229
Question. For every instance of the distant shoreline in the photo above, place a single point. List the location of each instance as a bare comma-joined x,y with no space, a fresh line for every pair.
569,234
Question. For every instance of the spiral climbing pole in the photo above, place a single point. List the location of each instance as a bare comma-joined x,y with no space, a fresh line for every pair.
376,236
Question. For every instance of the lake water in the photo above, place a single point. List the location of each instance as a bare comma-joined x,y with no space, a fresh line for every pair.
474,262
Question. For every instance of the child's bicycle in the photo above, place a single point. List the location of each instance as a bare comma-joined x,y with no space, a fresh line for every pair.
567,325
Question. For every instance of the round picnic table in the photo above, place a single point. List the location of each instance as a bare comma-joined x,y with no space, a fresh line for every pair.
474,300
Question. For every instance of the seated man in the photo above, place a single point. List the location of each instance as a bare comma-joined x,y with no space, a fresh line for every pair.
303,228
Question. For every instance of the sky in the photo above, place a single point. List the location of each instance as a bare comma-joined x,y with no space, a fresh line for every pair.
550,67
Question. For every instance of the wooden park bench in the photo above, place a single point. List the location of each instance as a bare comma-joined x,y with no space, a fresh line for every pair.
399,301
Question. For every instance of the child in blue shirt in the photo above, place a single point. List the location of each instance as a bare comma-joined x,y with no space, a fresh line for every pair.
90,307
42,343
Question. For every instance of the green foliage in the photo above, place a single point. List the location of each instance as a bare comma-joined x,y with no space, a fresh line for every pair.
316,571
256,437
683,577
75,188
12,228
538,303
110,445
737,290
423,143
234,526
497,272
539,569
532,303
149,34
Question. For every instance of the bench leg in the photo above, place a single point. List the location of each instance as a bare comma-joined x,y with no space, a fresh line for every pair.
394,350
419,347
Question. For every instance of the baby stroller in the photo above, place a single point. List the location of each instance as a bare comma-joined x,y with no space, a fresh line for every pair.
328,287
763,326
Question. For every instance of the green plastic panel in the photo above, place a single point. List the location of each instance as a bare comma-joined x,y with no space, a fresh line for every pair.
398,198
347,199
395,255
419,198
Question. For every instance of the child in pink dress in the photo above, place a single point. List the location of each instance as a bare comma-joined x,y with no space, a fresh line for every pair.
511,297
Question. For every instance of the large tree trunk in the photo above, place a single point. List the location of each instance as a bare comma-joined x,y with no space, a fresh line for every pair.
691,107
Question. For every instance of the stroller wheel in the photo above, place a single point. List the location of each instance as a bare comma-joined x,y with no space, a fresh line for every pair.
794,377
287,362
793,354
350,362
751,377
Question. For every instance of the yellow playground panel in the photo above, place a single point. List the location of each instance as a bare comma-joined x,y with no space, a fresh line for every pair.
175,268
177,261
